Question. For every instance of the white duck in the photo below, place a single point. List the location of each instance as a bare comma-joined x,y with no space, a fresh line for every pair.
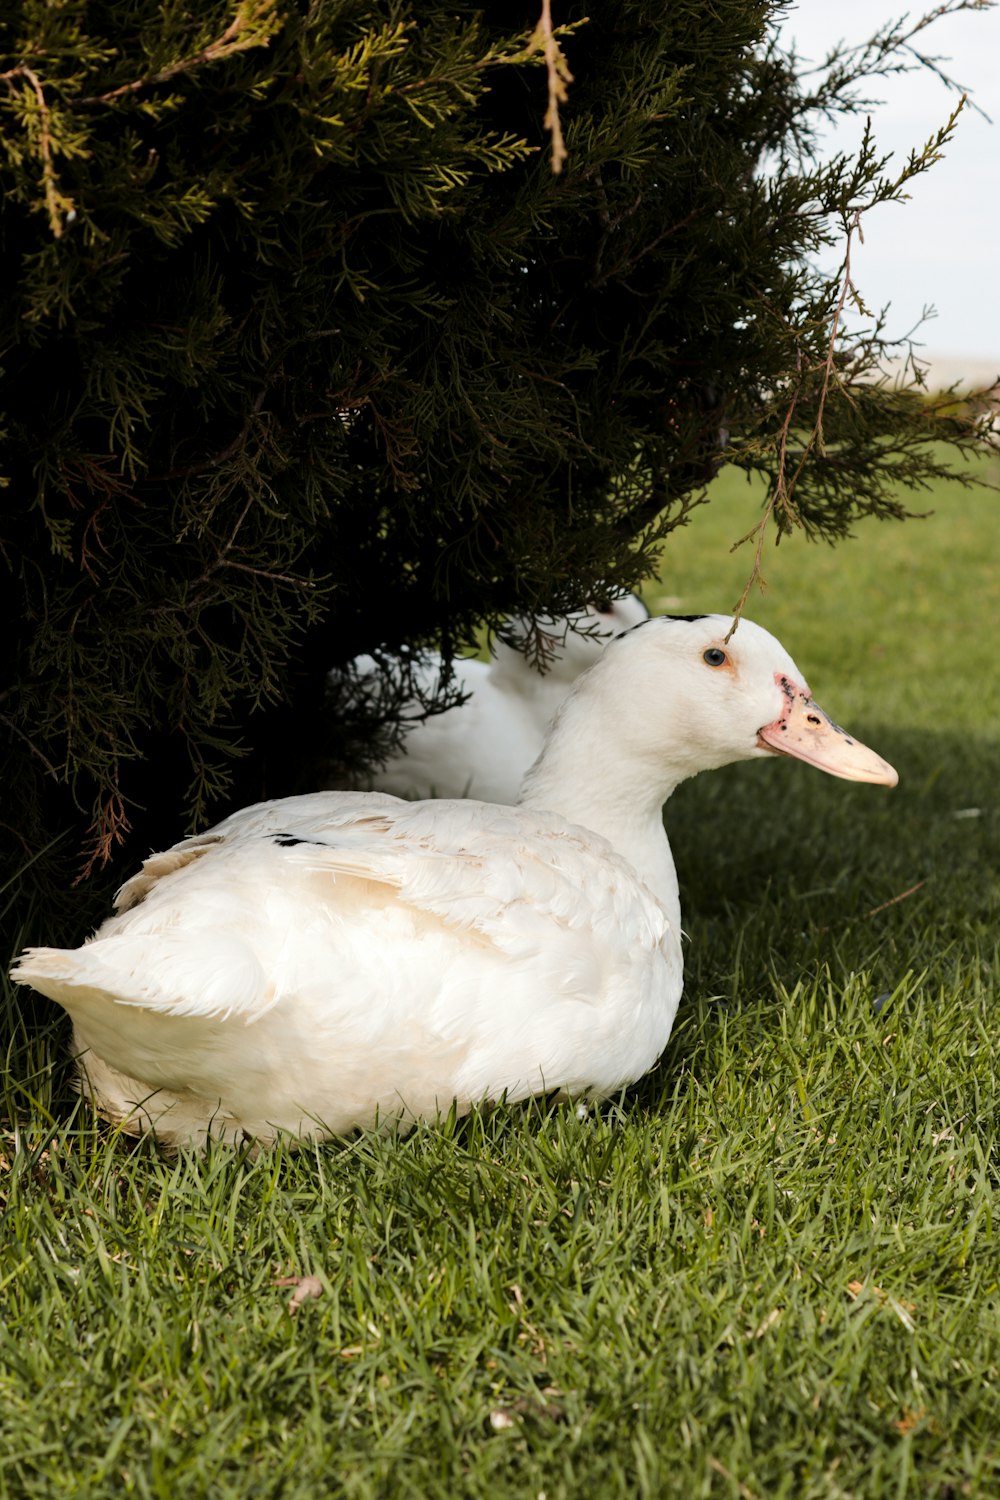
322,962
483,746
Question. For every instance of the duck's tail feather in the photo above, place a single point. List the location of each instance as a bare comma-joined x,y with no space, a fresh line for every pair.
201,975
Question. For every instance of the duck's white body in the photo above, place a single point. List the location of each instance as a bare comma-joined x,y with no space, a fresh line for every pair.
322,962
354,976
484,745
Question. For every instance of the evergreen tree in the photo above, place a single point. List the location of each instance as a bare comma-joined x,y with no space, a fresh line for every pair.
307,350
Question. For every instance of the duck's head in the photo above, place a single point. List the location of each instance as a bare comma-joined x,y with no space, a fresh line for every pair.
706,700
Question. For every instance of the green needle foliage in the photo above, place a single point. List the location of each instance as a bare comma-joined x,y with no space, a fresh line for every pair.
308,351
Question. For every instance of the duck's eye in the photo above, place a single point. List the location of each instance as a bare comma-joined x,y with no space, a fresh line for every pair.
715,657
603,606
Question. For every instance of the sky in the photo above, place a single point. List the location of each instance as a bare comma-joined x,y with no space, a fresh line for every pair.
943,246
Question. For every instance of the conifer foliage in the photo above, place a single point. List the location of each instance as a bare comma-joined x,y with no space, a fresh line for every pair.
308,351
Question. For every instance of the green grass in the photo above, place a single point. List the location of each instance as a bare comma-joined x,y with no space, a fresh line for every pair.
771,1269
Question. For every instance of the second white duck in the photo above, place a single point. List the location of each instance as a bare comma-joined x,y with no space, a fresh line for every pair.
483,746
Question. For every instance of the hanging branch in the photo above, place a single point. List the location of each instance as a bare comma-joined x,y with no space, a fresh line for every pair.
109,829
544,40
56,202
784,488
889,51
779,496
231,41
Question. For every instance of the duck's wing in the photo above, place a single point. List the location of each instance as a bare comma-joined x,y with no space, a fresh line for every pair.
199,926
472,864
285,815
467,862
500,870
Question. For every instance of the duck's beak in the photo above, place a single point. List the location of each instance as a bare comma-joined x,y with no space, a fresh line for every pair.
807,733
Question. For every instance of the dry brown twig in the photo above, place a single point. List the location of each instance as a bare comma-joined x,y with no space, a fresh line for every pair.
894,899
847,285
56,201
110,827
783,491
544,40
746,1493
779,496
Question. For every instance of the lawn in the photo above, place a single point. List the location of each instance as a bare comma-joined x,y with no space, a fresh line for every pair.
770,1269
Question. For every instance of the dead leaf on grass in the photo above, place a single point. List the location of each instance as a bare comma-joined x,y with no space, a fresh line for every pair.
306,1287
768,1322
515,1410
857,1287
909,1421
898,1305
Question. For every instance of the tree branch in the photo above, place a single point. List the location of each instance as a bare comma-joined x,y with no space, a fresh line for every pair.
56,202
784,488
228,44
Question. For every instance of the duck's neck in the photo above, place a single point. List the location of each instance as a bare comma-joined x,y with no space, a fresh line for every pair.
582,775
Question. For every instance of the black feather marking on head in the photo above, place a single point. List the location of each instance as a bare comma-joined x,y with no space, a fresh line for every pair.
652,619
